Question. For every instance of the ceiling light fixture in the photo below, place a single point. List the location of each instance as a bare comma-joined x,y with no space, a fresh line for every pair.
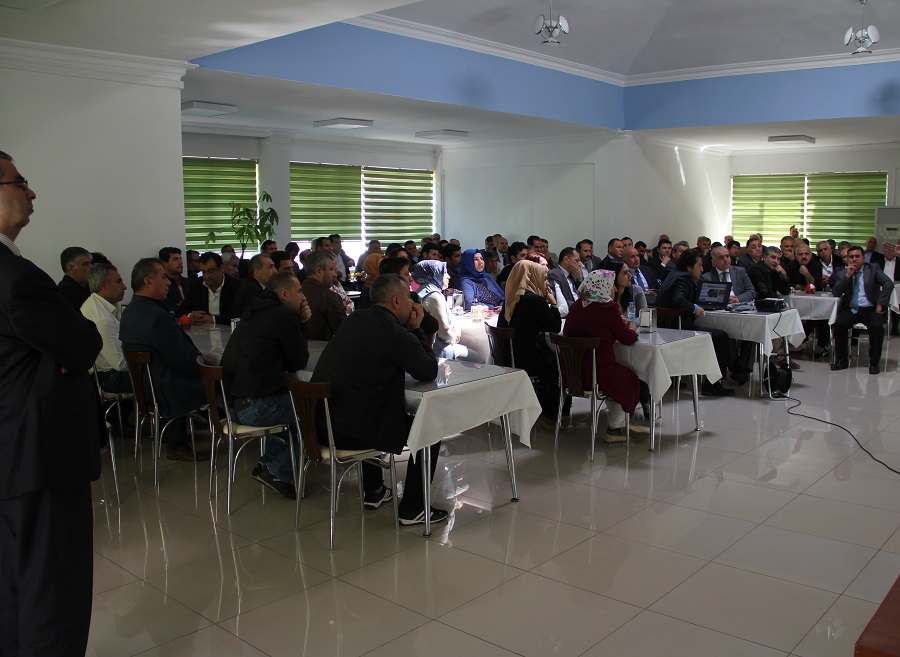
344,124
865,37
550,28
201,108
780,139
442,134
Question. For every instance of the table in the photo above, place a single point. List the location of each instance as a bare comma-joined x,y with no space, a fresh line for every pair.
817,306
659,355
474,335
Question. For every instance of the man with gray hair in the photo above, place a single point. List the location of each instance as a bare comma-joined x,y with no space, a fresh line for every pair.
768,276
327,308
259,270
102,308
76,263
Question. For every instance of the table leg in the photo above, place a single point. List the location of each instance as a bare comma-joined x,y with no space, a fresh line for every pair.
426,486
652,424
761,365
510,461
695,389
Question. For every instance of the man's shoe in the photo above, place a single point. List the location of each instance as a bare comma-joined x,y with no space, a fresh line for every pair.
716,390
375,499
546,423
873,369
614,436
262,475
740,378
185,453
820,352
437,515
840,364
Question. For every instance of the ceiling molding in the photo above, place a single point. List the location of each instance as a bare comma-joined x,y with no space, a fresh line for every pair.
677,143
455,39
799,150
92,64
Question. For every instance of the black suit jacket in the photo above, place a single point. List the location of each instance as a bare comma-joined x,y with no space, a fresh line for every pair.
147,326
767,282
246,290
877,259
651,276
795,278
366,362
198,299
49,421
878,287
679,291
74,293
561,277
174,302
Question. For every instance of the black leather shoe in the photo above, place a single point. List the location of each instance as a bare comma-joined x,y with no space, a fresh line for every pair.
262,475
716,390
840,364
873,369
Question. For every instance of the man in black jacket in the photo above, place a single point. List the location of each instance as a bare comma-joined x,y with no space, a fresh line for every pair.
802,271
768,276
679,291
179,285
76,265
259,270
50,432
269,341
366,362
211,298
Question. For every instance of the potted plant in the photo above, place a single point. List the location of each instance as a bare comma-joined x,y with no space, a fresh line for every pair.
251,223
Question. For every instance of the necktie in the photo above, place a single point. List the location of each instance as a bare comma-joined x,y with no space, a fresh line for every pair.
721,276
854,293
640,279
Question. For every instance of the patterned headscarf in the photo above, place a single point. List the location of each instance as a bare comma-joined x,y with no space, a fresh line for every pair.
430,275
599,286
525,275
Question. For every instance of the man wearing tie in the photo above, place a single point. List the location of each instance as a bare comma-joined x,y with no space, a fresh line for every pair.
641,275
865,293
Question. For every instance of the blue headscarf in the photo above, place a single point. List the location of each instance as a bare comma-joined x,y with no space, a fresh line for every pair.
479,279
429,274
467,265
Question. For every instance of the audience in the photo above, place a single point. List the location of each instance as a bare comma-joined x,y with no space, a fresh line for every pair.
433,279
212,298
615,249
517,251
626,290
565,279
768,276
475,284
180,285
259,270
76,264
102,308
326,306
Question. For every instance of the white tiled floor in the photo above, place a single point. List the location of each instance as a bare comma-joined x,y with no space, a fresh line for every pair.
765,534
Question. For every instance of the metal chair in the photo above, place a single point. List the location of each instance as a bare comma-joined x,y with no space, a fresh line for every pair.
571,353
306,399
498,339
223,428
107,401
148,409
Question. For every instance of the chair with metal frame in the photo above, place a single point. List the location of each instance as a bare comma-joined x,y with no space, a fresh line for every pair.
107,401
498,338
306,398
223,428
571,353
139,371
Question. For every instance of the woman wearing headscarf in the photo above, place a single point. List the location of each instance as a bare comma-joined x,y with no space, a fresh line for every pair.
530,308
626,291
370,266
596,314
476,284
433,277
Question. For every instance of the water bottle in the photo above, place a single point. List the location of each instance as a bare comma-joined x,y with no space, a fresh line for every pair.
631,314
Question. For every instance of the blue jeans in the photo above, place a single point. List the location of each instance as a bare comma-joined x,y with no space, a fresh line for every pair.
264,412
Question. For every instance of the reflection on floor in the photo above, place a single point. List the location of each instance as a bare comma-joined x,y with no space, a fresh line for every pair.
763,534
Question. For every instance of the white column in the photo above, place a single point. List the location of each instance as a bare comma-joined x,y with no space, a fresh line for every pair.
275,178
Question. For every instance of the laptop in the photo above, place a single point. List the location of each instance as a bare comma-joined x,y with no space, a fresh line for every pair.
713,295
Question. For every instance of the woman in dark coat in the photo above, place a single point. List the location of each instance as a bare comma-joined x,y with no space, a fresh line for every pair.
475,284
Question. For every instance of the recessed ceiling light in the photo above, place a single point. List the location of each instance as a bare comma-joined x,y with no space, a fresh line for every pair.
776,139
344,124
200,108
442,134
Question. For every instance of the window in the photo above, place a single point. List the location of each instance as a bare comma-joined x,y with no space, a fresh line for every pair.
210,185
839,206
361,203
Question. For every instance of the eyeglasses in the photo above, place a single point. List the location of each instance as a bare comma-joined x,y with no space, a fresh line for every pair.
22,184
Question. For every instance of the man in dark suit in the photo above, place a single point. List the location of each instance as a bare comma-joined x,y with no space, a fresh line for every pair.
566,275
614,252
662,262
865,293
753,255
589,261
180,286
328,311
148,326
76,265
802,271
366,363
50,433
872,255
259,270
768,276
723,271
211,298
517,251
641,275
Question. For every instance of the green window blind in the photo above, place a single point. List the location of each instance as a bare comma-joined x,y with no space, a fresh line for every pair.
325,199
398,204
210,185
839,206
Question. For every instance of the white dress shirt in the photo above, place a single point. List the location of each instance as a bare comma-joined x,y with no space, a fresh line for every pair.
215,298
9,244
106,317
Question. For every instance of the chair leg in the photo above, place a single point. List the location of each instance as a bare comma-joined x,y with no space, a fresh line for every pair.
628,432
213,448
562,394
394,491
594,419
332,503
359,481
228,484
115,472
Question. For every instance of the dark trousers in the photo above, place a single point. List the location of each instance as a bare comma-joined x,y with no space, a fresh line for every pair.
873,321
46,572
722,345
113,381
820,326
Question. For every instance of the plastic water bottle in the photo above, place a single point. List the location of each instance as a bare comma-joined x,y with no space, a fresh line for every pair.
631,314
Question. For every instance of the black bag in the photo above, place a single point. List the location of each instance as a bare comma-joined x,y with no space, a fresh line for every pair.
778,377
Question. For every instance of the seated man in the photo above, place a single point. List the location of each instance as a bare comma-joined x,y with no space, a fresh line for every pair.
76,263
565,278
641,274
269,341
516,251
662,263
211,299
805,270
865,293
325,305
102,308
259,270
768,276
180,285
679,291
366,363
148,326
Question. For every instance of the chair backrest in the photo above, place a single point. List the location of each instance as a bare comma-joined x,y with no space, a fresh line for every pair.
305,398
571,354
213,376
498,339
138,368
668,317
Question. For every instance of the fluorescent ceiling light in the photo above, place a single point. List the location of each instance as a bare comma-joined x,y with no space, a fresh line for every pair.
200,108
792,138
443,134
344,124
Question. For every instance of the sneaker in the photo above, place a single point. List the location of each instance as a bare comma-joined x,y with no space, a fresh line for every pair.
262,475
437,515
376,498
615,435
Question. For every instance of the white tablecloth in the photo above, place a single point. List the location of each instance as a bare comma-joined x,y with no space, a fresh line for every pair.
474,335
821,305
758,327
657,357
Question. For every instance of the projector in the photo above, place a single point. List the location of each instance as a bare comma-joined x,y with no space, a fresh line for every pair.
771,305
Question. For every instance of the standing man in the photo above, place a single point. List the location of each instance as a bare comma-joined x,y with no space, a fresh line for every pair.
50,436
865,293
76,263
343,262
